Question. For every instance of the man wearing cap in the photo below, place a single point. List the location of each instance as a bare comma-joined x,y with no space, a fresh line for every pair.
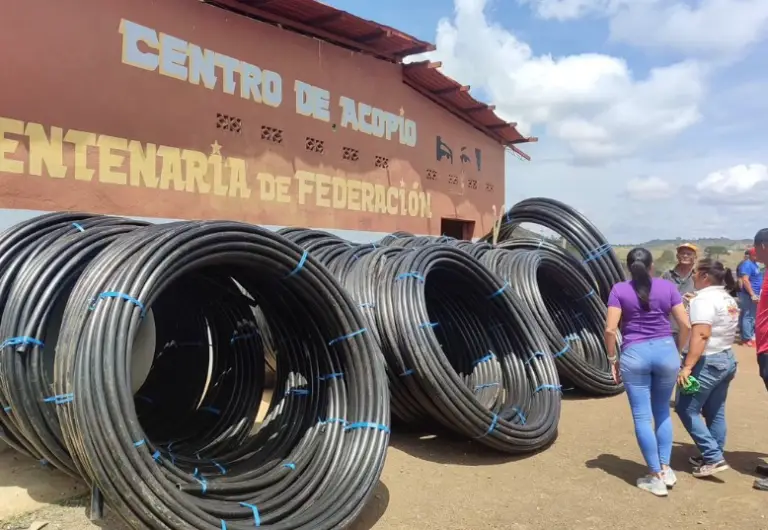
761,336
682,273
751,284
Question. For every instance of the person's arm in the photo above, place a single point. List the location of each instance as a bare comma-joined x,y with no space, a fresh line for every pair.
683,325
745,272
611,331
702,316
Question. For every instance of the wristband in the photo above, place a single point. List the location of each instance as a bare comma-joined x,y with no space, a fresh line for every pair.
612,359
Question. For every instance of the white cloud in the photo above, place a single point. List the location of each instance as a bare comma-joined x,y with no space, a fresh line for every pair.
737,185
592,102
719,27
649,189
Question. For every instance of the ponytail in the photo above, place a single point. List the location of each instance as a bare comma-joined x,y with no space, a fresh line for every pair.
639,262
729,280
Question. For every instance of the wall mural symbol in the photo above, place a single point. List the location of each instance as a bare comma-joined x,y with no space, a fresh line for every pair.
443,151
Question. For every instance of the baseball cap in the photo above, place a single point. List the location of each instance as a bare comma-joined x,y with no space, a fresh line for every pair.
688,246
751,251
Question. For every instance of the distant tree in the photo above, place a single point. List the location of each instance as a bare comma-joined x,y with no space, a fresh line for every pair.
667,255
715,251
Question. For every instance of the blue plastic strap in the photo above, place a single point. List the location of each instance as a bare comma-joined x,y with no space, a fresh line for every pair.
348,336
520,414
212,410
290,465
491,427
335,375
501,290
122,296
255,510
223,525
533,356
429,325
367,305
203,484
563,351
297,392
404,275
590,293
485,385
156,455
556,388
18,341
139,443
236,336
366,425
60,399
79,227
487,358
597,253
407,373
302,261
221,468
7,410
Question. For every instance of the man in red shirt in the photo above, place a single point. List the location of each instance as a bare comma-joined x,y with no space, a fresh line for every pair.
761,335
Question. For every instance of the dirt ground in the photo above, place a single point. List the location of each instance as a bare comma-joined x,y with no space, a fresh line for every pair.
584,481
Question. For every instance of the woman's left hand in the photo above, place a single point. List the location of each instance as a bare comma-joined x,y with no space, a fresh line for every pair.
683,375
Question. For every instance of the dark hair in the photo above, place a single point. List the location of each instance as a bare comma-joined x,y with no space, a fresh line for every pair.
639,261
761,238
717,272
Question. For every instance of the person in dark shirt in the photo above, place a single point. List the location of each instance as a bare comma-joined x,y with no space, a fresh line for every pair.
682,275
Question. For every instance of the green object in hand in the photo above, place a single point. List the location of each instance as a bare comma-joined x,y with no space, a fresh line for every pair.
691,387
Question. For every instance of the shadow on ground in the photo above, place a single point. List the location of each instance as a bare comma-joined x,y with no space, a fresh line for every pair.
629,471
374,510
443,447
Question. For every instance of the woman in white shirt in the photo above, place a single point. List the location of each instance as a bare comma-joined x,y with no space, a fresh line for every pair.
710,359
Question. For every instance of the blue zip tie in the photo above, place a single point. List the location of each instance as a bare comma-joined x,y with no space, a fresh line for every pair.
533,356
335,375
366,425
407,373
18,341
122,296
302,261
7,410
491,427
255,510
203,484
501,290
520,414
236,336
223,525
597,253
221,468
156,455
78,226
349,336
196,473
485,385
416,275
139,443
297,392
365,305
563,351
484,359
429,325
547,387
212,410
290,465
590,293
60,399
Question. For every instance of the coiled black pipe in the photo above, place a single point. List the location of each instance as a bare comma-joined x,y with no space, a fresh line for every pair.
577,230
561,296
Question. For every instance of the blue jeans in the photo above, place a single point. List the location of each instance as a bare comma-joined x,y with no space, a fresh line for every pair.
747,316
703,413
649,371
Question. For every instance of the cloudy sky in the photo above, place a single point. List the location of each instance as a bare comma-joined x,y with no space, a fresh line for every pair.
650,113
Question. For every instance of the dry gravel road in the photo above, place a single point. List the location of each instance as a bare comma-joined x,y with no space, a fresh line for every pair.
584,481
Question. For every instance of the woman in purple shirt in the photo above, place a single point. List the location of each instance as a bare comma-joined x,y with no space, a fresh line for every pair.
649,360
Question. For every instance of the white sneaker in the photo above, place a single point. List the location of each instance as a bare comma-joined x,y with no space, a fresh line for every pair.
670,479
653,485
